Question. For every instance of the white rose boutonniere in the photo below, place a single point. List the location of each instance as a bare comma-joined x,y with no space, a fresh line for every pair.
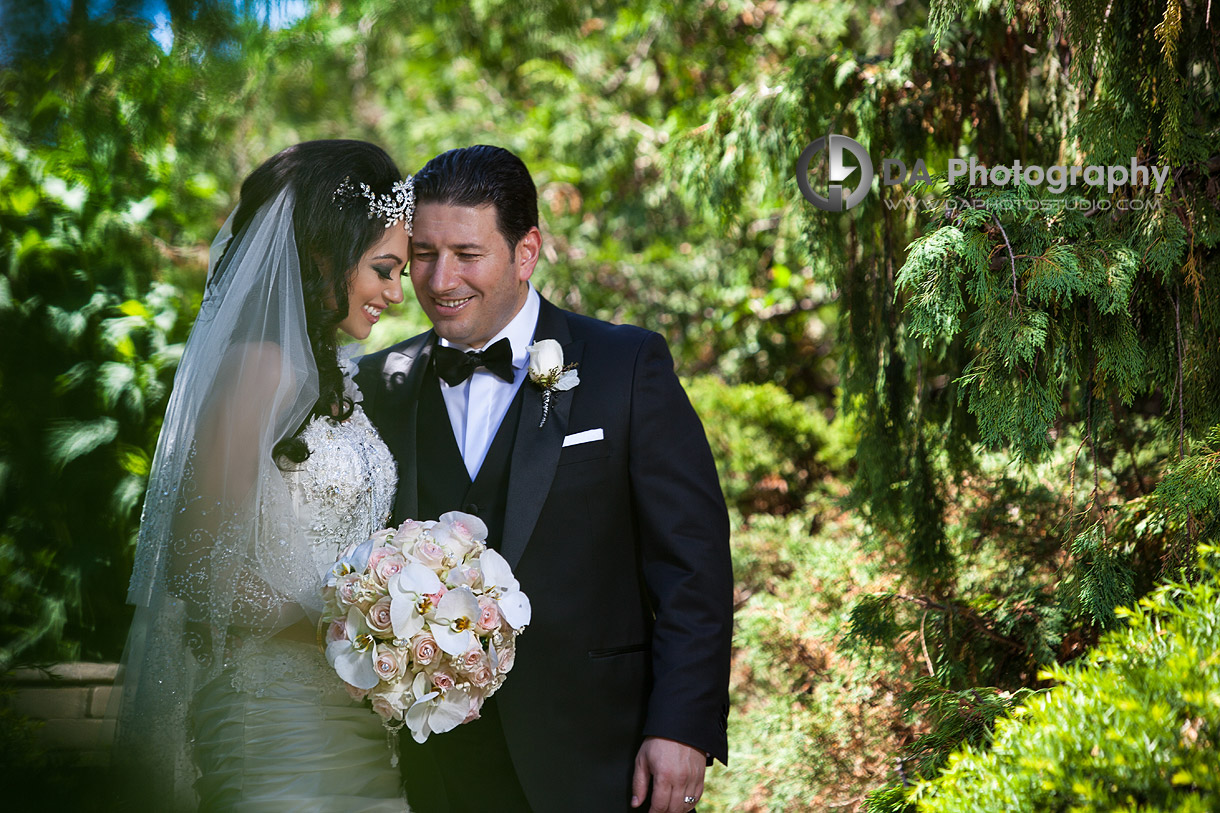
547,370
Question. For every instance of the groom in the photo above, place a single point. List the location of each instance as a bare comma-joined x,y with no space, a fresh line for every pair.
605,503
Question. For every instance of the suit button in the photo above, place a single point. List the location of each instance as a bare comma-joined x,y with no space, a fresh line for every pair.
471,508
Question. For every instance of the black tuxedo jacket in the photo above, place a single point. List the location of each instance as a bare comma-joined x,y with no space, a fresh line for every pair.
621,544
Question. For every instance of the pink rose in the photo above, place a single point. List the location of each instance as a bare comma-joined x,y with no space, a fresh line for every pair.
337,631
423,648
489,613
472,659
378,616
467,576
348,588
435,598
385,708
460,533
476,704
481,675
354,693
428,553
443,680
388,566
386,664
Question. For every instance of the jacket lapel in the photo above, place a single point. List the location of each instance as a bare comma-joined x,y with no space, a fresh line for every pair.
536,450
402,378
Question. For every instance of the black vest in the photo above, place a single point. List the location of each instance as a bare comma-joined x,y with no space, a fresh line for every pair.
444,484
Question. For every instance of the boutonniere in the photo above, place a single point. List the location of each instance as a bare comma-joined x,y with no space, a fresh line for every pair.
547,370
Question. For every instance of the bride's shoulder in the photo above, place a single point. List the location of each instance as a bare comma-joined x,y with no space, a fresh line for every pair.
254,370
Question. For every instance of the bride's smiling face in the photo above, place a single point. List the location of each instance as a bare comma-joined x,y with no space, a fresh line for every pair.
377,282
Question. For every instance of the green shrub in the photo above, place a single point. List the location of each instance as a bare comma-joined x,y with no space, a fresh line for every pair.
1136,726
87,352
769,448
809,728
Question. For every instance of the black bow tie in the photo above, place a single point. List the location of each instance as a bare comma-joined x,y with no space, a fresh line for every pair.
454,366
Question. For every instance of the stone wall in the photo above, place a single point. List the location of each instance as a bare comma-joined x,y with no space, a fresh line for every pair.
71,699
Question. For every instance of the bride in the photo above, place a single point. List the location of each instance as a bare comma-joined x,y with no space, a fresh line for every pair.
265,469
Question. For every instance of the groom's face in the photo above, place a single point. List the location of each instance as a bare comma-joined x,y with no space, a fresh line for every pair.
465,276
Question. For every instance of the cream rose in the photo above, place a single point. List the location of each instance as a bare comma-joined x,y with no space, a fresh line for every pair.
506,657
386,567
379,539
423,649
386,664
378,616
546,358
475,705
481,675
459,533
386,708
408,533
443,680
428,553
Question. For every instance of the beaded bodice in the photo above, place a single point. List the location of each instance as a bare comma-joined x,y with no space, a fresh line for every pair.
345,488
341,493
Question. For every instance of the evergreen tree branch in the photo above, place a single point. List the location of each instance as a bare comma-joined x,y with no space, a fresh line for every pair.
1177,324
951,611
1015,302
923,644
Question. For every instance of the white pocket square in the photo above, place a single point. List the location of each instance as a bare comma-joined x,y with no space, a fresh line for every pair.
587,436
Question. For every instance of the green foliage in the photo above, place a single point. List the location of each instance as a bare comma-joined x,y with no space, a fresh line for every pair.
769,449
1132,726
809,729
1024,389
1105,581
956,719
85,371
1079,338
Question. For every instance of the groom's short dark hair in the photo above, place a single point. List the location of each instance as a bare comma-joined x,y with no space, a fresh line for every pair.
479,176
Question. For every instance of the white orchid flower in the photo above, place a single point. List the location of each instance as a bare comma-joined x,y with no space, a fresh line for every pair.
437,712
459,533
354,560
409,591
455,617
352,657
499,583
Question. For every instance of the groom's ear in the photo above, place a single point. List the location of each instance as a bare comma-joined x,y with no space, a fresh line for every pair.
525,257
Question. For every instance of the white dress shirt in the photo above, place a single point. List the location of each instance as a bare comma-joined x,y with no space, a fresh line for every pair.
477,406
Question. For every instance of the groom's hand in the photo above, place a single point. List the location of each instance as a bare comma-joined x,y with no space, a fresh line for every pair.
675,771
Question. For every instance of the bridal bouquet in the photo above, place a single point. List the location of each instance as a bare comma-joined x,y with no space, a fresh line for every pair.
422,620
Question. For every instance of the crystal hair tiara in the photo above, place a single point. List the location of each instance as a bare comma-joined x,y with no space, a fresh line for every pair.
398,205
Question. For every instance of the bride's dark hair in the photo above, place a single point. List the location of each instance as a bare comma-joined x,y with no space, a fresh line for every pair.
330,242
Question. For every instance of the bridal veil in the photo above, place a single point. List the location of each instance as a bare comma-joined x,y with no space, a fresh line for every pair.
214,564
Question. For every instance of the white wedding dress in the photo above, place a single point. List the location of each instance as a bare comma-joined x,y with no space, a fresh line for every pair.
276,731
